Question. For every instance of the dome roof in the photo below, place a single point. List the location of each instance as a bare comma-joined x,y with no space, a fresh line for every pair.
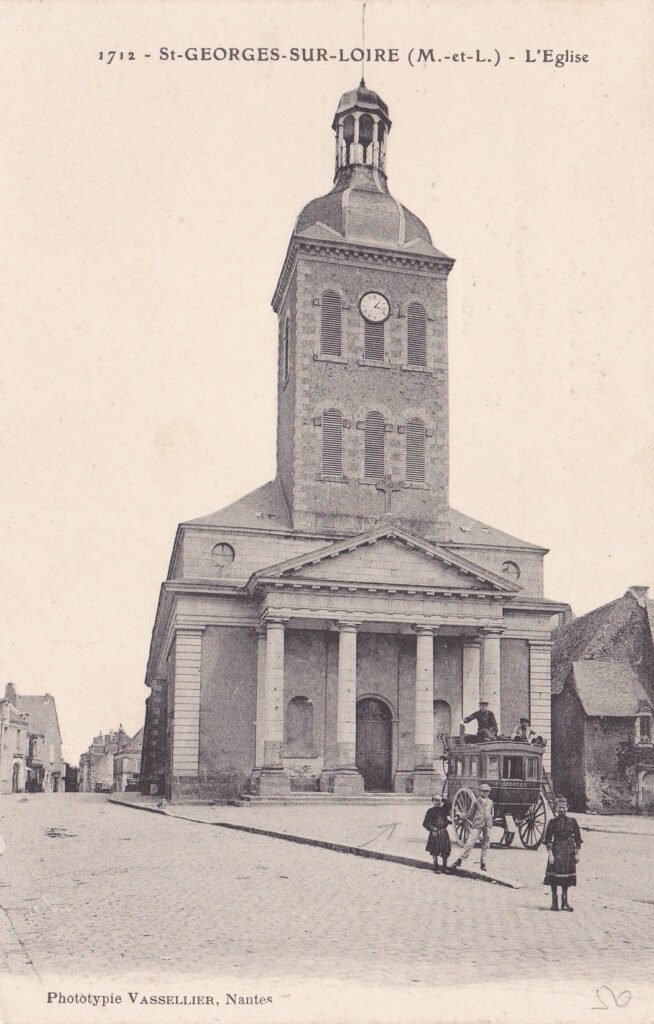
362,98
363,210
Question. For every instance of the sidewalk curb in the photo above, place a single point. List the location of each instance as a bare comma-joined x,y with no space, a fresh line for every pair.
355,851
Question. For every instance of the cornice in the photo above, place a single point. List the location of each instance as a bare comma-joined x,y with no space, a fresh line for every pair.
265,584
354,250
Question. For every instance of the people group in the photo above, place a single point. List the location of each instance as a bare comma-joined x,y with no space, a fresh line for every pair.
562,838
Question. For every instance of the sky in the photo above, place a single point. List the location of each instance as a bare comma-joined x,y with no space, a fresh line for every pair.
149,205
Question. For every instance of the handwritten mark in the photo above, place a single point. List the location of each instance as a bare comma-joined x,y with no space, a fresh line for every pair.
390,828
605,995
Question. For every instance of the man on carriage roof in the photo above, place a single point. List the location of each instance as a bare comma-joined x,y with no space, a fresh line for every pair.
486,722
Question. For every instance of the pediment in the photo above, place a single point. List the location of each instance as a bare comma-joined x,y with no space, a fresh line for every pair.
389,557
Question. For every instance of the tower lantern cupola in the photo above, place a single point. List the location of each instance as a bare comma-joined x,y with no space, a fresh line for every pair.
361,125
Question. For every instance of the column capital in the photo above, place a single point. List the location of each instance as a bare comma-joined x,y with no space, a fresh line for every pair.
343,626
274,621
471,641
492,631
425,628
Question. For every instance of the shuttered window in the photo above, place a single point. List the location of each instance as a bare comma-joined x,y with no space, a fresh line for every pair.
374,341
332,443
415,452
374,446
416,334
330,328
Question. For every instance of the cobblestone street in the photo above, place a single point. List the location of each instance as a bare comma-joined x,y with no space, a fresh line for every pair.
109,898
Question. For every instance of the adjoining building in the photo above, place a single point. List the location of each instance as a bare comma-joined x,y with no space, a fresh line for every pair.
96,765
326,630
30,754
602,706
127,764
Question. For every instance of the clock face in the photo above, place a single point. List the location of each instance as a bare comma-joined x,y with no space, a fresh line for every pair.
374,307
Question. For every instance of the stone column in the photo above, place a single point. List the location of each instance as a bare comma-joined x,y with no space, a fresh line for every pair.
424,775
273,779
471,676
491,683
347,779
261,696
540,694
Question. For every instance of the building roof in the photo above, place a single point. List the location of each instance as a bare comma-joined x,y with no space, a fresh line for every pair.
616,631
41,710
133,746
265,509
609,689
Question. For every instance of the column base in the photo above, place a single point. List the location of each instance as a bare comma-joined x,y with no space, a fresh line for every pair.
403,781
426,782
274,782
342,782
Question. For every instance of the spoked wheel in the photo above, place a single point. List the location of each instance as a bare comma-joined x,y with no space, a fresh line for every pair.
460,809
532,826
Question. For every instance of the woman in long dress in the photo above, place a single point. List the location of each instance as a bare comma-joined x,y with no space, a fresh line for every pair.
563,840
436,821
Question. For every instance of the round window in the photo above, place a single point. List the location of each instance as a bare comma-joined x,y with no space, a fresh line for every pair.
511,570
222,555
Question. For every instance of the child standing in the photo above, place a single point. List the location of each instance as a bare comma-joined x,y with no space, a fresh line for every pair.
436,821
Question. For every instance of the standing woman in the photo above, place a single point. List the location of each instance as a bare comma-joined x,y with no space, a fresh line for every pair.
563,840
436,821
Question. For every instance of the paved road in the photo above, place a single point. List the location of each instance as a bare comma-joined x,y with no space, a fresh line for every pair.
95,890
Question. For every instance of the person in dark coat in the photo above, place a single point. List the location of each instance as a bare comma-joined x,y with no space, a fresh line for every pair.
436,821
563,840
486,722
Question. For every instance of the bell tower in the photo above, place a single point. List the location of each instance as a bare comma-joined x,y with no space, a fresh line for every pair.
362,426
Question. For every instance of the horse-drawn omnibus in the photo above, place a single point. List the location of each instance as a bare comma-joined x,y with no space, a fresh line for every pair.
518,783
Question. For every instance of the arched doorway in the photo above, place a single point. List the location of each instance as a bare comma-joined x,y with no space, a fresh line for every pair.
15,778
647,793
374,743
442,725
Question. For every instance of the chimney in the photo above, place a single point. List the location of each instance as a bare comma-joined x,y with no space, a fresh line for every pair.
10,693
639,594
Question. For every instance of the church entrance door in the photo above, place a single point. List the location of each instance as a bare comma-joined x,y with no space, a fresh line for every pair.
374,736
647,793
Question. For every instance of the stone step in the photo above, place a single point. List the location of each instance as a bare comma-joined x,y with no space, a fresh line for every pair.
332,798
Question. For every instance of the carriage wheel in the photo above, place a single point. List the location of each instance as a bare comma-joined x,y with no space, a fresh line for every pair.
532,826
460,809
507,838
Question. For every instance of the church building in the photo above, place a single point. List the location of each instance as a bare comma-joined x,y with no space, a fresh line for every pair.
327,630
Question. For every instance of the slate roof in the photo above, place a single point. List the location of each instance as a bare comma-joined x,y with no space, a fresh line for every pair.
613,632
265,508
133,746
610,689
41,710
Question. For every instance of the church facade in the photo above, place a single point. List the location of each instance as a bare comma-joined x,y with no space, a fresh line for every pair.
325,631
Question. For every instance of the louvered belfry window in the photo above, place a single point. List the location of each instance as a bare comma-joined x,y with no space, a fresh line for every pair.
332,443
330,327
416,334
415,452
374,341
374,446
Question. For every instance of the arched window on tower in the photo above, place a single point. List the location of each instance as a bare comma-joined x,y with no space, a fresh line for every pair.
366,127
348,136
416,321
374,462
330,326
373,341
299,727
415,451
332,443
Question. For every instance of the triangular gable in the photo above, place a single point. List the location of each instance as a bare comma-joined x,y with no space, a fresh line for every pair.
392,556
